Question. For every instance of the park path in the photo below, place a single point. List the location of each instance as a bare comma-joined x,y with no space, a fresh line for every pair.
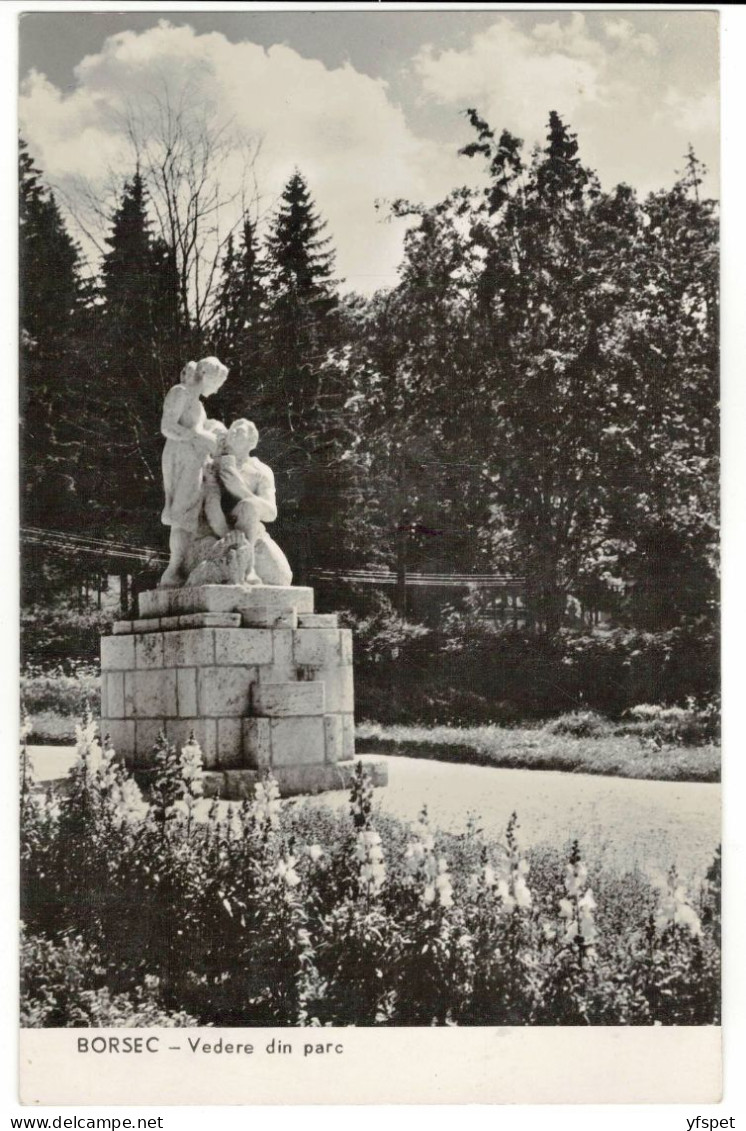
621,821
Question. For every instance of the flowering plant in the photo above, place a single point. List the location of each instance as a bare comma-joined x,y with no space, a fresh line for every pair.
262,913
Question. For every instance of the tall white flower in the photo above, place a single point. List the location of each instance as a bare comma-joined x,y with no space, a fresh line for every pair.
577,908
286,871
426,868
266,803
131,806
676,909
443,885
368,852
522,893
191,768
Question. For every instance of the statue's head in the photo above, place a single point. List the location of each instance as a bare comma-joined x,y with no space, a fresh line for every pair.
220,432
242,438
189,373
209,374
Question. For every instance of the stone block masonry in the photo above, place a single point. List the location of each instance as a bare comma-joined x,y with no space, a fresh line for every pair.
261,681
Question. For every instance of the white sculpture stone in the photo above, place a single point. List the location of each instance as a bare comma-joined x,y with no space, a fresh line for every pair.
218,496
190,441
240,496
226,649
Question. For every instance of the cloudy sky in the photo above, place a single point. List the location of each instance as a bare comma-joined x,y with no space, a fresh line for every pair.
369,104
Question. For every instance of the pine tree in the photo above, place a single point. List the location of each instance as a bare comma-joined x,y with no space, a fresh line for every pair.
140,333
301,265
128,260
561,177
138,275
240,323
302,328
56,326
49,260
301,257
51,300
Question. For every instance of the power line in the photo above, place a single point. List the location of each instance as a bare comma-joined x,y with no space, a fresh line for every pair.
434,580
76,544
87,539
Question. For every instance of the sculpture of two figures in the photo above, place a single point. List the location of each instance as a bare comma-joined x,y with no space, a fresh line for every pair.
218,496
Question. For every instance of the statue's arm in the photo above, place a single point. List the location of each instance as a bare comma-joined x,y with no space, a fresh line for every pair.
263,497
266,497
173,406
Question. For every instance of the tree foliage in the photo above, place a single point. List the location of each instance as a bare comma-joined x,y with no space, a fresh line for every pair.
140,332
570,334
52,323
301,265
536,395
302,395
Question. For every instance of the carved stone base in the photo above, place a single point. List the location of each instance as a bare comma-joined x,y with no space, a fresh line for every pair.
262,682
224,599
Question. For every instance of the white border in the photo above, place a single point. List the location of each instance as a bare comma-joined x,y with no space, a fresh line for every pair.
734,451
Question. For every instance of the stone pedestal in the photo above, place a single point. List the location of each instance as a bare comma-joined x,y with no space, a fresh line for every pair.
262,682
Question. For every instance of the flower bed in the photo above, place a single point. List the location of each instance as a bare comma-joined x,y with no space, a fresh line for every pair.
275,914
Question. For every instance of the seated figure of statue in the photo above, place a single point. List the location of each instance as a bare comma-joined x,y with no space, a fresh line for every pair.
239,498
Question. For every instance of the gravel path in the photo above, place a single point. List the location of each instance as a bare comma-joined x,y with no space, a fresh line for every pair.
622,821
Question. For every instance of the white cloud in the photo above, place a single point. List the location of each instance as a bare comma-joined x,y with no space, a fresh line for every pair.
570,38
605,83
625,34
337,125
354,143
693,113
515,78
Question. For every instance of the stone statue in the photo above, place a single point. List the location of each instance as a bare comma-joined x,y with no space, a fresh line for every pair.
227,649
218,496
190,441
239,498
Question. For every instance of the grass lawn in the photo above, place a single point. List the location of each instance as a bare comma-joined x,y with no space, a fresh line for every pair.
535,748
525,748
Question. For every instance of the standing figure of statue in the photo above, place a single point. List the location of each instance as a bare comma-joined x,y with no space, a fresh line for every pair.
240,497
191,439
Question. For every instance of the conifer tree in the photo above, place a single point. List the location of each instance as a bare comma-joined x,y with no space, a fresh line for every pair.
560,176
49,260
128,261
303,390
302,259
240,323
140,334
301,268
138,276
51,302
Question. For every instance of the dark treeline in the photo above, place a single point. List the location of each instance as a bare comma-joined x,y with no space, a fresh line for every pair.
537,395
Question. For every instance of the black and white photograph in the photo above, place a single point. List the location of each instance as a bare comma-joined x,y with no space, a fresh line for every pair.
369,389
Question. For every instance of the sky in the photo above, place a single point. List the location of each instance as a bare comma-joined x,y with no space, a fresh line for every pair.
369,104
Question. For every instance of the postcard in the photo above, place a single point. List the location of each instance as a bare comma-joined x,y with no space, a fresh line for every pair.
370,586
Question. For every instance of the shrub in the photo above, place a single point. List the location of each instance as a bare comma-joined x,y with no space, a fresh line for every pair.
62,636
693,725
264,914
61,987
468,671
580,724
69,693
654,712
